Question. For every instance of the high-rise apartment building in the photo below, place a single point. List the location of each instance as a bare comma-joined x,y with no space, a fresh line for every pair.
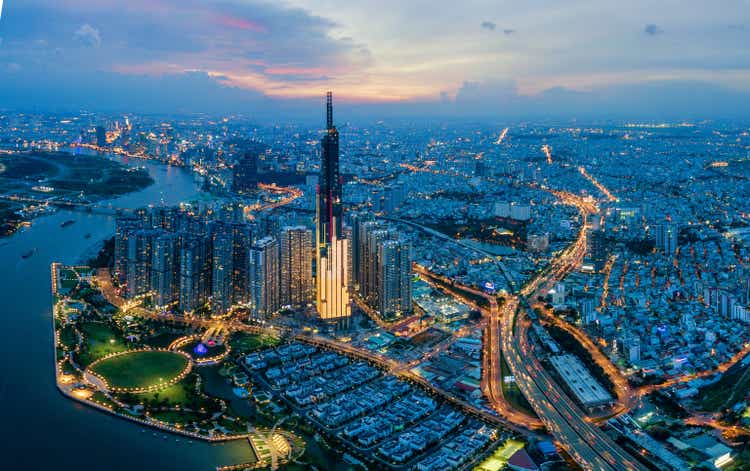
242,240
394,278
165,282
296,266
666,237
264,277
222,269
125,228
138,263
374,235
195,273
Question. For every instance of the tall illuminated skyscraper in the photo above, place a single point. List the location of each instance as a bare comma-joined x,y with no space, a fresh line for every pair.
332,251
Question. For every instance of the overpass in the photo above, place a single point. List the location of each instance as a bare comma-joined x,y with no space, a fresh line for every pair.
589,446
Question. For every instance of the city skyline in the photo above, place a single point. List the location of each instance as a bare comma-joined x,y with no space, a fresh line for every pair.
521,242
483,294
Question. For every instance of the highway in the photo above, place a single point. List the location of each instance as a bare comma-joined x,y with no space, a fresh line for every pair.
587,445
590,447
491,382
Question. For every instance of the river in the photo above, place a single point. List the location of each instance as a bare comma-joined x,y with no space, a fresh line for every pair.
42,428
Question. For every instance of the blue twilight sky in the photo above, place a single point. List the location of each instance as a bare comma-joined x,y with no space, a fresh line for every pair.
489,58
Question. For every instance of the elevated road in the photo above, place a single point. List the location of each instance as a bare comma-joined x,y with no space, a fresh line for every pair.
491,381
589,446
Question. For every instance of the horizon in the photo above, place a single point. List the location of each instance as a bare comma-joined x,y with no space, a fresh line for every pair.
337,235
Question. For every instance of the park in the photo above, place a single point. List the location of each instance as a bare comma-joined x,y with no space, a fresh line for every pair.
141,370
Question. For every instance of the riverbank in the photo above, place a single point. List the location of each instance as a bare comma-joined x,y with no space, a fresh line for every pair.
83,436
87,387
37,183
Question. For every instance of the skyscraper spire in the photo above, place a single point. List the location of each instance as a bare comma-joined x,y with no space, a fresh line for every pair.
329,193
329,110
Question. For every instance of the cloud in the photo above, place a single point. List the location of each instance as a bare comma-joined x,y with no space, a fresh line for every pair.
88,36
489,25
299,48
254,44
660,99
652,29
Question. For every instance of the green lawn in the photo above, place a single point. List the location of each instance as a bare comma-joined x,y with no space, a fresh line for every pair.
175,394
242,342
141,369
101,341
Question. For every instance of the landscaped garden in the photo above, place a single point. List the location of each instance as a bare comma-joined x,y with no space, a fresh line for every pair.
146,369
141,369
100,340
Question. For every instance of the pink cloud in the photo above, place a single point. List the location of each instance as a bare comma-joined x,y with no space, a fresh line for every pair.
241,23
282,70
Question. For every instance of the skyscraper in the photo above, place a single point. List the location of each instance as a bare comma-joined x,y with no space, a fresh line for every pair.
375,233
332,251
329,209
357,221
138,265
125,228
195,266
666,237
222,271
264,277
242,241
394,278
165,269
296,266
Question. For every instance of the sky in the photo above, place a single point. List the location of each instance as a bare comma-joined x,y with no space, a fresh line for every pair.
474,58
